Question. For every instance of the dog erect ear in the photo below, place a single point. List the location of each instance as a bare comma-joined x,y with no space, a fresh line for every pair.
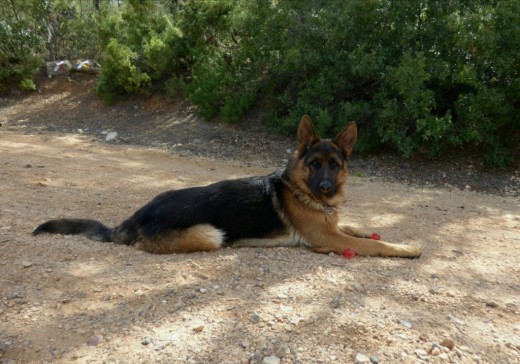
307,135
347,138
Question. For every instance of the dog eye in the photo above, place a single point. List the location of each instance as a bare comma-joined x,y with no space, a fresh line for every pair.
334,165
316,164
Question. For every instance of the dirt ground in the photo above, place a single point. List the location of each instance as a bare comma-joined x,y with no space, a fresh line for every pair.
65,299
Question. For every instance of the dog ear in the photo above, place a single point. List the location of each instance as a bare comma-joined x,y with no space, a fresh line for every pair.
307,135
347,138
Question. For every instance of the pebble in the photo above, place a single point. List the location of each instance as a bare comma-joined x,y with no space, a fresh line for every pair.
198,328
26,264
436,351
271,360
448,343
13,295
421,353
203,290
111,136
491,304
95,340
281,350
145,342
374,359
405,323
361,358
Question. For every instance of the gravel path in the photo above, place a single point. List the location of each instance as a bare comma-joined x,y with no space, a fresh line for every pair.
65,299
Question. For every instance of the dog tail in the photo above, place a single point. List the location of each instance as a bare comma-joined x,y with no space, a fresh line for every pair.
92,229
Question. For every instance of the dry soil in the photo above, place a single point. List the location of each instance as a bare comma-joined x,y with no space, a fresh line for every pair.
65,299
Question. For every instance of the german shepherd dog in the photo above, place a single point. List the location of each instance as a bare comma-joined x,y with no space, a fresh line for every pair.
296,206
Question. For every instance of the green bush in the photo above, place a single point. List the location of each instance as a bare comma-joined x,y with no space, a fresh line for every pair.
148,47
21,53
119,74
418,76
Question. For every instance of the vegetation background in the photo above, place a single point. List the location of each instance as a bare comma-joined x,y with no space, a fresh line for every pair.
419,76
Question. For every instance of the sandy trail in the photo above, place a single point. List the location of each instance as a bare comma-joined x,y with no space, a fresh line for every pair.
67,299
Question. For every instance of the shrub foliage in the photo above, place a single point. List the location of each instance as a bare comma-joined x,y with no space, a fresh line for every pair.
418,76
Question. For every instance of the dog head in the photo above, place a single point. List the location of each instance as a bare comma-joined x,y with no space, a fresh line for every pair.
319,166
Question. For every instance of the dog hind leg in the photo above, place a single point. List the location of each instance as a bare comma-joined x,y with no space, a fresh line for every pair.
202,237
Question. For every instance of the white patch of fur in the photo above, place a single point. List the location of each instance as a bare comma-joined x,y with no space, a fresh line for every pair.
204,233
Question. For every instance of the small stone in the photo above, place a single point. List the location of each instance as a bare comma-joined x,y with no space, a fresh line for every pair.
281,350
13,295
448,343
271,360
336,302
358,287
245,344
465,349
421,353
491,304
423,337
255,318
26,264
111,136
146,342
456,320
361,358
436,351
374,359
203,290
198,329
405,323
95,340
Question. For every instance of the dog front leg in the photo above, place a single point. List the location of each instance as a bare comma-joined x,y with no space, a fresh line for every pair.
337,242
347,230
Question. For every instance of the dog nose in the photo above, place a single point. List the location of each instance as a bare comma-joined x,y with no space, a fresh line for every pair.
325,186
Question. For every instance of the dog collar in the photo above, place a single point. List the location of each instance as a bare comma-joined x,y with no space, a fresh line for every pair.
328,210
304,198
